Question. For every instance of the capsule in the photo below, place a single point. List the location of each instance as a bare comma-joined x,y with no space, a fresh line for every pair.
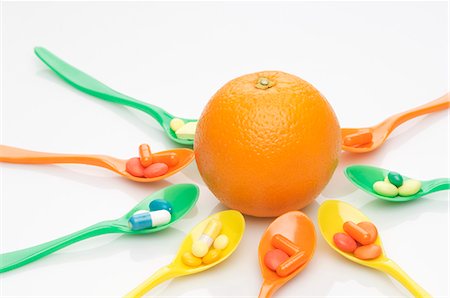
371,229
201,246
169,158
286,245
144,219
292,264
358,139
145,155
357,233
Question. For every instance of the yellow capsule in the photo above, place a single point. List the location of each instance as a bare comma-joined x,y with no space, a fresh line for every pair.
201,246
212,256
191,260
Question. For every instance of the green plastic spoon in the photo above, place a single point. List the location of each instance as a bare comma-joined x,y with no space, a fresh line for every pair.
365,176
182,197
89,85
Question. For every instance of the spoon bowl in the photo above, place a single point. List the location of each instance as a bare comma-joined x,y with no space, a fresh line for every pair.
375,136
182,197
298,228
233,225
17,155
364,177
331,217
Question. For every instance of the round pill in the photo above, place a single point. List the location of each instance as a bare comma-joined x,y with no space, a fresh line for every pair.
160,204
410,187
395,178
156,170
199,249
344,242
274,258
367,252
190,260
134,167
370,229
221,242
176,123
385,189
212,256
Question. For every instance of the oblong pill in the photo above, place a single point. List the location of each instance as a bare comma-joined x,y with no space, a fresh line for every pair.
190,260
145,155
134,167
286,245
169,158
212,256
356,232
344,242
292,264
156,170
409,187
367,252
385,189
395,179
221,242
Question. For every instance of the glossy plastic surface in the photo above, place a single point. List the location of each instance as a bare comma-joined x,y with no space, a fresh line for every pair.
365,176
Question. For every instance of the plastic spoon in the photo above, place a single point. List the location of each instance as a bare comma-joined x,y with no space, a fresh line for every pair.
365,176
89,85
333,214
367,139
182,197
22,156
298,228
233,225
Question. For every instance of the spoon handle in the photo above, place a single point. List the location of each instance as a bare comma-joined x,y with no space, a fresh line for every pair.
391,268
438,184
267,290
89,85
22,156
160,276
439,104
16,259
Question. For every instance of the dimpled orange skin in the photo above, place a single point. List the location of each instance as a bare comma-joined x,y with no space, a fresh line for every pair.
267,151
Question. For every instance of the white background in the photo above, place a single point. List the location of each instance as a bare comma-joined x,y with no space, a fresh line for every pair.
370,60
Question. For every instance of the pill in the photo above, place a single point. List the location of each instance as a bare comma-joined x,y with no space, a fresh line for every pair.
221,242
410,187
385,189
292,264
357,139
187,131
371,229
145,155
212,256
160,204
134,167
356,232
275,257
201,246
156,170
169,158
286,245
395,178
176,123
344,242
190,260
367,252
145,220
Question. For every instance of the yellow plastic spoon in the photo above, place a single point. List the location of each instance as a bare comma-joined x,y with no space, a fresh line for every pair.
333,214
233,225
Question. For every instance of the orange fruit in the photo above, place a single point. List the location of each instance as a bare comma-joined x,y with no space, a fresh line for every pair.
267,143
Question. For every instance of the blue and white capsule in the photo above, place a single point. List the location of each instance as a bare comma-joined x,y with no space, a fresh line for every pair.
144,219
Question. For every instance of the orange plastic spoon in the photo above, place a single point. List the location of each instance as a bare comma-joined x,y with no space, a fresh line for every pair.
17,155
370,138
299,229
